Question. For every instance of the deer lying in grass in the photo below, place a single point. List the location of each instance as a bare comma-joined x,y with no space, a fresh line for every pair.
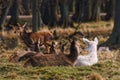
53,59
91,58
53,50
30,38
17,55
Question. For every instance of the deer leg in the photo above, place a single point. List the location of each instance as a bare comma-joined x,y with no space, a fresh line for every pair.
47,48
27,62
69,62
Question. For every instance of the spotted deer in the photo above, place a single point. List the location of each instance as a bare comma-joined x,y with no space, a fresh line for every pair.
30,38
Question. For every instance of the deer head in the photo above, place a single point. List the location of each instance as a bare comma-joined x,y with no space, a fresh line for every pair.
91,45
21,28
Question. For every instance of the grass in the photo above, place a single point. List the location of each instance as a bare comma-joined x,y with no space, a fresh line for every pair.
106,69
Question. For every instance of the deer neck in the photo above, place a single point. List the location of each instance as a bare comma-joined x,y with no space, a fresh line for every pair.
25,34
74,51
93,51
26,38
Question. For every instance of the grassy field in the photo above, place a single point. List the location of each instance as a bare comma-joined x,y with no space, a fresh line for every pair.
108,67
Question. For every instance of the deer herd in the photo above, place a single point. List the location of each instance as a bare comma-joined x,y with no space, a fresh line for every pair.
54,53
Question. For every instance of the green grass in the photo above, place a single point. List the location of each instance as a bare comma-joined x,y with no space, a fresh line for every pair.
108,69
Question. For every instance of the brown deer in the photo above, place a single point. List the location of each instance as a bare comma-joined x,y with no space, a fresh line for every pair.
17,55
41,59
30,38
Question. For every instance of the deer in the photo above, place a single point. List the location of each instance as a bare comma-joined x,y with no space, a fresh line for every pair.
30,38
91,58
14,58
57,47
41,59
19,54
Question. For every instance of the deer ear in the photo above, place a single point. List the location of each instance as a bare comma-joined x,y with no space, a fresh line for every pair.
96,40
86,41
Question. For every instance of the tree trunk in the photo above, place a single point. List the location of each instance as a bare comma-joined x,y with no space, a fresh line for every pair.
25,4
40,21
53,12
96,10
14,13
71,3
110,7
35,13
87,7
4,13
114,38
78,11
45,11
83,10
64,11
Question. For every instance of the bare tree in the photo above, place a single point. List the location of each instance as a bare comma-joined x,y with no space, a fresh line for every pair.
53,12
36,16
78,10
4,9
65,20
115,36
110,7
14,12
26,4
45,11
96,4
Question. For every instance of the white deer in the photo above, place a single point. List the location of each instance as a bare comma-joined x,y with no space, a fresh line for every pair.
91,58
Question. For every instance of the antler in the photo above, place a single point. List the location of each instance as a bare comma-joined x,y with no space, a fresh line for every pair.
24,24
18,24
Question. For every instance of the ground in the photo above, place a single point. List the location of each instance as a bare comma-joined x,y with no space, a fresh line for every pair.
106,69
